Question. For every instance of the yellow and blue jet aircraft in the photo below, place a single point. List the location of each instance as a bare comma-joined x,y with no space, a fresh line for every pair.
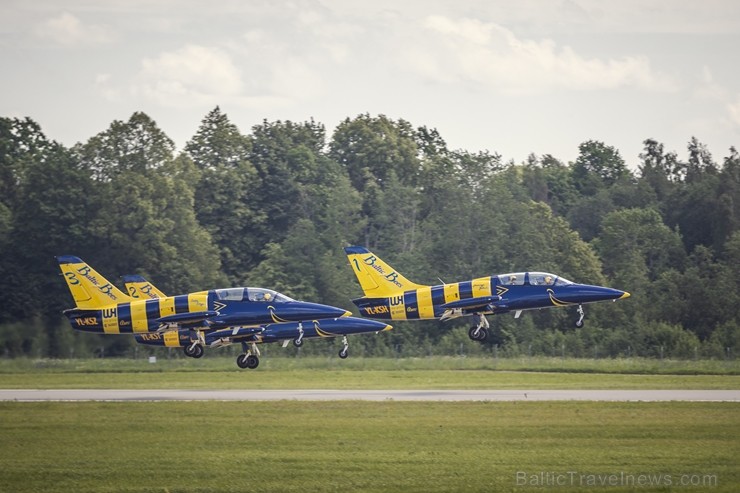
390,296
285,332
102,308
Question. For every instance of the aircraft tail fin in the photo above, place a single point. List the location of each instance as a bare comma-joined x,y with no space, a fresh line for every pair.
376,278
89,289
139,288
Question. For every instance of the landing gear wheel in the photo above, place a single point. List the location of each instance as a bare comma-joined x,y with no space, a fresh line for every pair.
247,361
194,350
241,361
298,342
478,334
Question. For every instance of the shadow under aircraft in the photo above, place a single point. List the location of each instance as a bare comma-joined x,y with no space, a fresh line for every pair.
245,313
390,296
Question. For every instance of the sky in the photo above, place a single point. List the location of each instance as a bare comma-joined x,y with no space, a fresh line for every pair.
508,77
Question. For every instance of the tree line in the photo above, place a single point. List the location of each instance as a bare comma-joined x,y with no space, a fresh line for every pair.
274,207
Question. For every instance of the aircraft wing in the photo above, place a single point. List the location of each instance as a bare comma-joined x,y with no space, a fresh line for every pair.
224,337
185,320
469,303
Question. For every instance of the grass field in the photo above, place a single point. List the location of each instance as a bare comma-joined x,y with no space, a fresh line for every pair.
213,362
368,446
370,373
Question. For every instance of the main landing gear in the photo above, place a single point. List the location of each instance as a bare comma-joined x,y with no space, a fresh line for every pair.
344,352
479,332
581,313
195,350
250,359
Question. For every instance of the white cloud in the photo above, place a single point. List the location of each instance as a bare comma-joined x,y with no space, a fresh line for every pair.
709,88
734,110
106,89
191,76
493,57
68,30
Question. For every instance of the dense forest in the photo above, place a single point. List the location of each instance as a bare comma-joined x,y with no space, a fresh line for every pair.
274,207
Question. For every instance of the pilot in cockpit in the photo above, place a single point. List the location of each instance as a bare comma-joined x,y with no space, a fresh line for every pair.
264,296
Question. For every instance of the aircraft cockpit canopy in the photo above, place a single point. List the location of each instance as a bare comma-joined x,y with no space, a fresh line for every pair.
533,279
251,294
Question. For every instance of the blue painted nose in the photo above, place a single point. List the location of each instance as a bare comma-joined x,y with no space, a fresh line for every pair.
583,293
301,310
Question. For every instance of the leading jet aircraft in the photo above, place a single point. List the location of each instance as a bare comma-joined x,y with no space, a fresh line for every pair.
390,296
249,337
102,308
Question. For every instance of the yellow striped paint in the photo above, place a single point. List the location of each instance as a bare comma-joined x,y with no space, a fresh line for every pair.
398,307
138,316
452,292
166,306
424,300
110,321
198,302
172,339
481,287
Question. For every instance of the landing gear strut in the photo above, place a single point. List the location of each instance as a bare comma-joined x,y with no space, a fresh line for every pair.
581,313
298,341
250,359
479,332
344,352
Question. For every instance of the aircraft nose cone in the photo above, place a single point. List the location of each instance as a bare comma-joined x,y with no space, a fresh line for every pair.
588,294
349,314
612,294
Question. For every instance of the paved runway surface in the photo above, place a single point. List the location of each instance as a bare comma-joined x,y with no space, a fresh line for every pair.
367,395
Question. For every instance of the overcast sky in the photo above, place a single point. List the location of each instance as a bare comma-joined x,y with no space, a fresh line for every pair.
513,77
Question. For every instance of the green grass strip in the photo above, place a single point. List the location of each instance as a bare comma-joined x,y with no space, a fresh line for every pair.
370,373
385,447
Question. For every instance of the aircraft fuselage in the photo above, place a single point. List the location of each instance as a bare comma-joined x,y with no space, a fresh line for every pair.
205,310
485,295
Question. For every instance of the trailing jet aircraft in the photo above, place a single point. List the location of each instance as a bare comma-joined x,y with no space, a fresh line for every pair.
284,332
390,296
102,308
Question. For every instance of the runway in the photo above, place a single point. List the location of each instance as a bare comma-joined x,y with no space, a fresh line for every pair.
148,395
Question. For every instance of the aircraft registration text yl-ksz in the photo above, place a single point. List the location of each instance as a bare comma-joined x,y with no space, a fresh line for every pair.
215,317
390,296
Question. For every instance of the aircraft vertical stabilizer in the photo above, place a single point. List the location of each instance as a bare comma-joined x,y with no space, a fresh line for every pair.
376,277
89,289
140,288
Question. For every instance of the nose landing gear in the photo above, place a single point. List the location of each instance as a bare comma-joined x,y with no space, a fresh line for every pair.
582,314
298,341
344,352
